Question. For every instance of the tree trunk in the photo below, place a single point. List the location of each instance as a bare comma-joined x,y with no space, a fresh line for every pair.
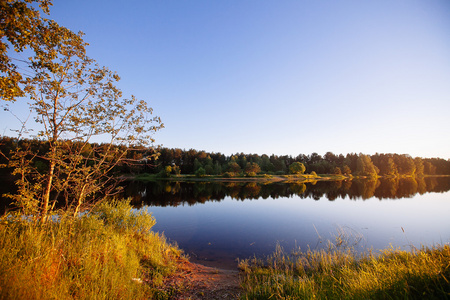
80,200
47,190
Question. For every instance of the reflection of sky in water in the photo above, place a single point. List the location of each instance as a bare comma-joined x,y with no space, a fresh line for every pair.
223,231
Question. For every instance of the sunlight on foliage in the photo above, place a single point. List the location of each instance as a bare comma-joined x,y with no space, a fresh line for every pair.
109,253
339,272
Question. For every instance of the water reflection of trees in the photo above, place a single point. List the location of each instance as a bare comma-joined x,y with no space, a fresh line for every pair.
166,193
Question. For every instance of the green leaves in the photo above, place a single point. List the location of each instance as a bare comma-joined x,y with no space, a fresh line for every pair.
297,168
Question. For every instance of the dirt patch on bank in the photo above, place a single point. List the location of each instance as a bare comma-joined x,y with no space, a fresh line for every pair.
194,281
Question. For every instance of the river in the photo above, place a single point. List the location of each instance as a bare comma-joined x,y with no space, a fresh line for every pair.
217,223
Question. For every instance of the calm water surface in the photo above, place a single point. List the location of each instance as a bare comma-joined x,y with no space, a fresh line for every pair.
217,223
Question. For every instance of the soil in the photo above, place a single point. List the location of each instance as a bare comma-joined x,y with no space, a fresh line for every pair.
195,281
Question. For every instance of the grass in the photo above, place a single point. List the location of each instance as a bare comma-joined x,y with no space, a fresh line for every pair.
147,177
238,177
110,253
340,273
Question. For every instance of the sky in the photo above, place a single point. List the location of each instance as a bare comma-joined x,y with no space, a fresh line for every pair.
279,77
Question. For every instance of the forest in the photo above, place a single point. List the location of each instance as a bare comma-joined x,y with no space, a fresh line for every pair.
191,161
169,162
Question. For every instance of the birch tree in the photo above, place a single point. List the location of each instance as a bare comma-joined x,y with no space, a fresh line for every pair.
74,103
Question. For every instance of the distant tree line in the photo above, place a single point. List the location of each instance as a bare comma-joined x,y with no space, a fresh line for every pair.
191,161
179,161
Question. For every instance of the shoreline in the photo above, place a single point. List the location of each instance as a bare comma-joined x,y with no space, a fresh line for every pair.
264,178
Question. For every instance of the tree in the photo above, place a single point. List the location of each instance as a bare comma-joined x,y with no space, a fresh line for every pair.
251,169
22,27
233,167
74,102
365,166
167,170
391,167
176,170
314,158
266,165
197,164
429,168
330,157
297,168
200,172
346,170
209,169
217,168
419,166
405,164
279,164
337,171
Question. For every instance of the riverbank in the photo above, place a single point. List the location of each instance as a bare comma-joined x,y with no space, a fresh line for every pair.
109,253
259,178
334,273
112,253
195,281
339,273
264,178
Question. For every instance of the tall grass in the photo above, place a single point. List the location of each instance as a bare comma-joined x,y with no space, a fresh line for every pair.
341,273
110,253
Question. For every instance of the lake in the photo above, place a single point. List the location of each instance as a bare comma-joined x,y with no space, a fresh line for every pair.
216,223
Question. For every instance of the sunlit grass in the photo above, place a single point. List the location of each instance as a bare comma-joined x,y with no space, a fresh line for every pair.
341,273
107,254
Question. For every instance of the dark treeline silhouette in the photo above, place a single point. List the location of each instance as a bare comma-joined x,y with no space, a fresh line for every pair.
35,153
170,193
134,162
178,161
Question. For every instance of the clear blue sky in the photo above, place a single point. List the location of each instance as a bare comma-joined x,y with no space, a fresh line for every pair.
281,77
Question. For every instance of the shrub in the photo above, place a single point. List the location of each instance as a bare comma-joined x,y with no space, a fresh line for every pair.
337,171
297,168
105,254
200,172
164,173
227,175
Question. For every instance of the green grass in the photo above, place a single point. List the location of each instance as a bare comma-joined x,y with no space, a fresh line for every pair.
340,273
147,177
110,253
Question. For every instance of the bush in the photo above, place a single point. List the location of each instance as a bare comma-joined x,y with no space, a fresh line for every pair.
228,175
164,173
337,171
105,254
200,172
297,168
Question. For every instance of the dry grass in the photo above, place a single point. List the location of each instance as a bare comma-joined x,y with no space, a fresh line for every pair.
110,253
340,273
